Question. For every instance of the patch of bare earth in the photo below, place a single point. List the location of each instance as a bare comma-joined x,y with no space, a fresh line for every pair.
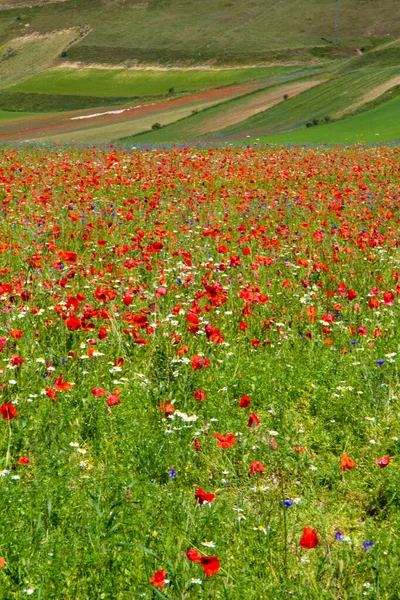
371,95
254,105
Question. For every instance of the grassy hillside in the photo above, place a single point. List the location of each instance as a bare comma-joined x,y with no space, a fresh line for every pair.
221,30
24,56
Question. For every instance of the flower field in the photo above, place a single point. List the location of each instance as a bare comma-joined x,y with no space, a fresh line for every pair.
199,374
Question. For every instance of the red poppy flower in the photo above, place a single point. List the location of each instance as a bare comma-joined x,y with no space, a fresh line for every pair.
8,412
256,466
16,360
98,392
225,441
73,323
51,393
253,420
210,564
388,299
373,303
61,385
198,362
196,445
23,460
244,402
167,408
103,333
383,462
199,395
193,555
202,497
16,334
113,399
158,579
309,539
351,294
347,463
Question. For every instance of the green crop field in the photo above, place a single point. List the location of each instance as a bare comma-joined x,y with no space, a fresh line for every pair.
378,125
16,116
133,83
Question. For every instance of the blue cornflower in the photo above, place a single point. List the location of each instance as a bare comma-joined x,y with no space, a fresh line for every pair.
287,503
380,362
353,342
367,545
172,473
339,536
63,361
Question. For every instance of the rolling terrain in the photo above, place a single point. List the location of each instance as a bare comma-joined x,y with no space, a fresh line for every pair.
293,68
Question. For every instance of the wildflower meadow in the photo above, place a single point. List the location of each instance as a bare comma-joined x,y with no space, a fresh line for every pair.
199,358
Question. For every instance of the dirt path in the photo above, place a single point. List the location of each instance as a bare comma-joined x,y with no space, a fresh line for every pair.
254,105
148,67
371,95
64,123
5,4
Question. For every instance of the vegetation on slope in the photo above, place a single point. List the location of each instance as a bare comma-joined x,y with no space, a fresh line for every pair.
220,30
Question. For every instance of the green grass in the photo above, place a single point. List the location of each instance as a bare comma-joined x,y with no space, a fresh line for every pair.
320,102
120,82
22,102
6,115
108,495
220,30
378,125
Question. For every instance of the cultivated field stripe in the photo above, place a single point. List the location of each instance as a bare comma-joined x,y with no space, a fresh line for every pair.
132,117
371,95
254,105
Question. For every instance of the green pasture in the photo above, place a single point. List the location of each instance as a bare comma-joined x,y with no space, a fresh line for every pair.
378,125
122,82
6,115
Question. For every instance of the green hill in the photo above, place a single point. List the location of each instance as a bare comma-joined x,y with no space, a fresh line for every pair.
230,31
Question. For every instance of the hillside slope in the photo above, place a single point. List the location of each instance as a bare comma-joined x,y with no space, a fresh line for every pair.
230,31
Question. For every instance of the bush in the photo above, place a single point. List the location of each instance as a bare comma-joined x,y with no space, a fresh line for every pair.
156,126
